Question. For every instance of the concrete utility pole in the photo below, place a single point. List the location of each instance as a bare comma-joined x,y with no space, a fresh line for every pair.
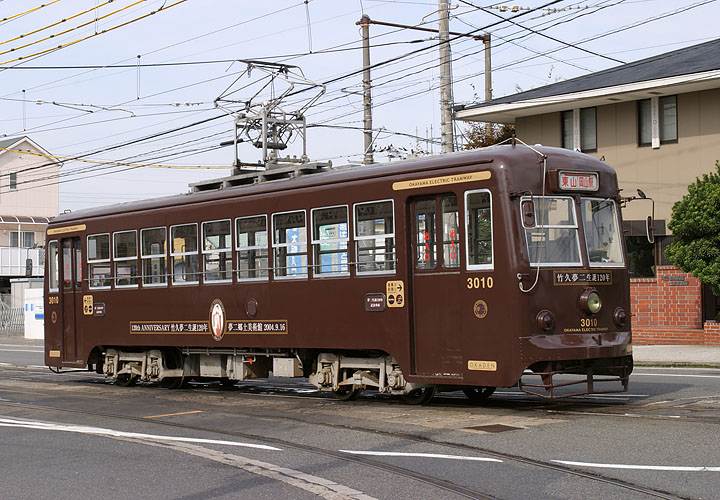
367,90
488,81
446,99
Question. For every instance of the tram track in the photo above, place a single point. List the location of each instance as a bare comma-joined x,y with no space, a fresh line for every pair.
427,479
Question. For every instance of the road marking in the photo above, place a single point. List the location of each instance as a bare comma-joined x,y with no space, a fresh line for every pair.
641,467
99,431
175,414
419,455
673,375
319,486
21,350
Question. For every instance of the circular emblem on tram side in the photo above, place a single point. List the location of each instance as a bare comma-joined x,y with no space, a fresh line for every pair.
480,309
217,319
53,317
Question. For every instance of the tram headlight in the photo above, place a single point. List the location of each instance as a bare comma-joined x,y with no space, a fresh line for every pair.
590,301
545,320
620,316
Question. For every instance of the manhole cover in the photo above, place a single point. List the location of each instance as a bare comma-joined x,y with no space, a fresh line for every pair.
494,428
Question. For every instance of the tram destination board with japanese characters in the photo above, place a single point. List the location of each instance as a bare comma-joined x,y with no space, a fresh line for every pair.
582,277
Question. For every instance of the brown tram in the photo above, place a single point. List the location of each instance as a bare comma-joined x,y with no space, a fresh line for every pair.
464,271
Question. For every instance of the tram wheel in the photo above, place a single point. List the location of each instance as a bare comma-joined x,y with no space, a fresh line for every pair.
126,380
419,396
172,382
478,394
346,393
227,382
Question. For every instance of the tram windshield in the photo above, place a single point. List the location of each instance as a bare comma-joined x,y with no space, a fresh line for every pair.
602,234
554,241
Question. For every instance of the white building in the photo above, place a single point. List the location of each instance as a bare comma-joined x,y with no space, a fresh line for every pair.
29,198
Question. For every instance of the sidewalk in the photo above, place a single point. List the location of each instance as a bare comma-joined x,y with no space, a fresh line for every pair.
644,355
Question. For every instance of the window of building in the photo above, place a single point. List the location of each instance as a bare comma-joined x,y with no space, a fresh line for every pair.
582,122
478,220
13,180
125,258
98,257
184,254
374,237
330,241
53,272
450,236
568,137
290,244
153,250
588,129
217,250
665,115
22,239
668,118
252,247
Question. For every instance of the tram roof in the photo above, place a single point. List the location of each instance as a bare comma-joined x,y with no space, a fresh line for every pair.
491,158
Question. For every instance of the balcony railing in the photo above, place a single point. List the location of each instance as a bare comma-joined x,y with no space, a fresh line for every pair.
13,261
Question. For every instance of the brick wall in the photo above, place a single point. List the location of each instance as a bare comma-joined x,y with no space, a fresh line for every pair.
667,309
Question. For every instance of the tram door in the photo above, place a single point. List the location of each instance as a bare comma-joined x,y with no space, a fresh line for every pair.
435,278
72,274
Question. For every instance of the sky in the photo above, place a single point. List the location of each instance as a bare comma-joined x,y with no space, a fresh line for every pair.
124,91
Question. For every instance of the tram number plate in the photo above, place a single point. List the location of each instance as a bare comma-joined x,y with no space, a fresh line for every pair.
483,366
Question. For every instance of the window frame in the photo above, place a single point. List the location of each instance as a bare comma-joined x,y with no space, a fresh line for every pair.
316,265
144,257
228,250
90,262
468,265
576,226
274,246
53,265
115,260
173,254
239,249
357,239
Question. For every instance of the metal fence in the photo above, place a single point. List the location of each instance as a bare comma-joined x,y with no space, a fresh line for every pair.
12,320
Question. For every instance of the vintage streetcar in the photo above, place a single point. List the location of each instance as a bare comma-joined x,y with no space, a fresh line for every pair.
467,271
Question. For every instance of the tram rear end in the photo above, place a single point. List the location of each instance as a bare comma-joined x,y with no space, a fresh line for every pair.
576,281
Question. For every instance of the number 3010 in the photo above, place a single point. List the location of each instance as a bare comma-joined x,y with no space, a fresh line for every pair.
484,282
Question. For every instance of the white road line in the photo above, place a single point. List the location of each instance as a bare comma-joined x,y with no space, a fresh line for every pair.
419,455
673,375
22,350
99,431
641,467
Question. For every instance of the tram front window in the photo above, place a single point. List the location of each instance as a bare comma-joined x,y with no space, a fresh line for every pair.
554,240
602,233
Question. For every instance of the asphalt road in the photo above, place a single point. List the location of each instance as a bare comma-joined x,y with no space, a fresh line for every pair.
76,435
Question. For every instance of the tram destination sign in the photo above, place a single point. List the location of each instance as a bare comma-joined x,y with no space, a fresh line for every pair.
578,181
582,277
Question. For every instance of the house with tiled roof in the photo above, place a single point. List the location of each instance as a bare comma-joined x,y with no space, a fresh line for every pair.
657,122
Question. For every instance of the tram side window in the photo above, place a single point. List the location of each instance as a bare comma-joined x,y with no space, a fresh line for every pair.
252,247
184,254
125,256
478,219
290,244
426,244
450,237
153,249
98,250
330,241
217,251
53,272
374,237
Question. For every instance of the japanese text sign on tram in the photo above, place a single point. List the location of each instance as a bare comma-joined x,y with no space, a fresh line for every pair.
578,181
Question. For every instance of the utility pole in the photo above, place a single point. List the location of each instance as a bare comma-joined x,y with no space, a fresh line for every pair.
367,90
446,99
488,81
